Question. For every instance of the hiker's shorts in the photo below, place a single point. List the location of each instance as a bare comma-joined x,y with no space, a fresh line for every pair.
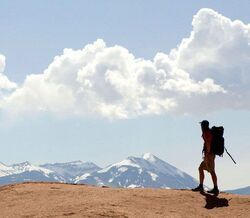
208,163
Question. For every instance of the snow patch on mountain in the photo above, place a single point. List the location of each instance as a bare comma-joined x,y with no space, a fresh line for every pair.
122,169
153,176
149,157
127,162
84,176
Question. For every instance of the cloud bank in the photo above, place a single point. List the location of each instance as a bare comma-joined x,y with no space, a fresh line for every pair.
5,83
208,71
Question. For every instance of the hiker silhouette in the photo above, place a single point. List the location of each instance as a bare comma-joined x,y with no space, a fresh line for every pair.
208,162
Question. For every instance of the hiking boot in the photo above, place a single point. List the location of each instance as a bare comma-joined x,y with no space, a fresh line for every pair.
198,189
214,191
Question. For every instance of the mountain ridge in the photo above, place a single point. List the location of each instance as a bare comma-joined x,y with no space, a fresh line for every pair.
147,171
240,191
132,172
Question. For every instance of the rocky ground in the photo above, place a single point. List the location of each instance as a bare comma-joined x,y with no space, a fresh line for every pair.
66,200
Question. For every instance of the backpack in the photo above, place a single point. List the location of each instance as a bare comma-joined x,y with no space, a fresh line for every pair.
217,144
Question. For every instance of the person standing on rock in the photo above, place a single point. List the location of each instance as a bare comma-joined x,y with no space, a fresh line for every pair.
208,162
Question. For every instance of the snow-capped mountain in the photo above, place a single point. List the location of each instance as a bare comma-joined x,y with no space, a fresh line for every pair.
5,170
24,172
28,167
240,191
71,170
148,171
20,168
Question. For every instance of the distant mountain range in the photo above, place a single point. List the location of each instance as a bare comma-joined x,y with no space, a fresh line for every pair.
240,191
147,171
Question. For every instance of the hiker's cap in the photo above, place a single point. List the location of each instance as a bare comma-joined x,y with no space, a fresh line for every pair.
204,123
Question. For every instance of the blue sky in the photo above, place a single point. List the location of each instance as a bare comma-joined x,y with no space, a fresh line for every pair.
33,33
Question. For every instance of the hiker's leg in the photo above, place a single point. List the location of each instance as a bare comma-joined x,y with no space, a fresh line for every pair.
211,168
215,190
201,174
214,178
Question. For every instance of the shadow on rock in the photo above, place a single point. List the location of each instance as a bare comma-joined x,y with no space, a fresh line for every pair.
213,201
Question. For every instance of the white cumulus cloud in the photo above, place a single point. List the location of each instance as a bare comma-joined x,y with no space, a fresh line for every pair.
2,63
208,71
218,48
5,83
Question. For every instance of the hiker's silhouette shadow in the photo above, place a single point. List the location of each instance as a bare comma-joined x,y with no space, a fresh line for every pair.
213,201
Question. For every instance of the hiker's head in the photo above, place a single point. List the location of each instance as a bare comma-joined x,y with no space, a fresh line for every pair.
204,124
